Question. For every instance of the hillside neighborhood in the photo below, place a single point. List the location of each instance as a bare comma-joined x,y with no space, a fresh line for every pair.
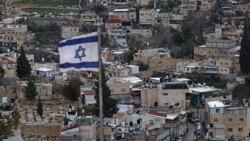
172,70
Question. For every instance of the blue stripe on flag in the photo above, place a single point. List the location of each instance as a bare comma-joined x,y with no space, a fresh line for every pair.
79,65
79,41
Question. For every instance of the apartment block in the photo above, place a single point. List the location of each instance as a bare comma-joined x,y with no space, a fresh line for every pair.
89,18
166,94
124,14
69,31
226,121
215,49
12,35
147,16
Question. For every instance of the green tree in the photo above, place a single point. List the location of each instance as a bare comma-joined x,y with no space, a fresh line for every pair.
177,37
200,38
214,17
245,48
150,5
30,90
239,13
171,4
237,22
187,32
72,90
1,72
23,68
39,109
15,118
8,124
109,104
6,129
240,92
1,15
99,8
133,46
143,66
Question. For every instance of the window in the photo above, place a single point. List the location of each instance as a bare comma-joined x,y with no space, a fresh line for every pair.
230,120
230,129
241,119
217,110
151,121
123,90
240,129
165,94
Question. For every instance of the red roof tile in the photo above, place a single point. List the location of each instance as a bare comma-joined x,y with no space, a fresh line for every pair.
151,112
7,61
68,127
89,92
11,62
113,20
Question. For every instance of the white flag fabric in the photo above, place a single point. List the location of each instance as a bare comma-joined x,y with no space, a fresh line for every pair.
79,53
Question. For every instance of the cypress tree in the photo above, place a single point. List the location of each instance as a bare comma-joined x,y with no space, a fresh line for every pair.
15,118
1,72
30,90
40,108
245,48
109,104
23,68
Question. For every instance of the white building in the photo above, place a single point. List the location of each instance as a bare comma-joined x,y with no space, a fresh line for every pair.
134,69
87,95
45,72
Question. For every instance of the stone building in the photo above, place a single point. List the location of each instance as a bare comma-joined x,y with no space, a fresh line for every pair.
69,31
166,94
13,35
226,121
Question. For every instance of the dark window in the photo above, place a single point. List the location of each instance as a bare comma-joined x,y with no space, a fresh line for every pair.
217,110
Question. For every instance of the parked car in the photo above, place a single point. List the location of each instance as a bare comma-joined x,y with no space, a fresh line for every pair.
199,129
179,139
194,120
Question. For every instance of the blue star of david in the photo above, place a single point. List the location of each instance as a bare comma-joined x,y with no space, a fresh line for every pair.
80,52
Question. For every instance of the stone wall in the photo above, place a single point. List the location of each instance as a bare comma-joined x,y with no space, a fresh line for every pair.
7,91
40,130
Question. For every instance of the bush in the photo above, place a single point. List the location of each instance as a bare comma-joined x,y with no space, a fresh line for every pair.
72,90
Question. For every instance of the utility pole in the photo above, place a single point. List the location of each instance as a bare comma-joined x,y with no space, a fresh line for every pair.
79,4
100,83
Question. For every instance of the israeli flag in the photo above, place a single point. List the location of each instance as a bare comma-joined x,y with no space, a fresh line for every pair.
79,53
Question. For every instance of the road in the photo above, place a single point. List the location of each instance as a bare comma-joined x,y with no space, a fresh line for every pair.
198,113
190,134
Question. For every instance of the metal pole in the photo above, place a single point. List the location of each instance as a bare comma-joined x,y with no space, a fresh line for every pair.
79,4
100,84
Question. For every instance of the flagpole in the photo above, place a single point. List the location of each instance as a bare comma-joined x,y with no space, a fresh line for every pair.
100,84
